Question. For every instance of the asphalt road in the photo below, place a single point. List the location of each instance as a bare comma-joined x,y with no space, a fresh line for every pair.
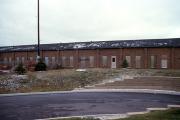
28,107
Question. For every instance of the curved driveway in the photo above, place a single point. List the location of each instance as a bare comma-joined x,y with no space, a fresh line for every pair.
27,107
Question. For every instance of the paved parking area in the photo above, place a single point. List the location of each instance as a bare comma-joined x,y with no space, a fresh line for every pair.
36,106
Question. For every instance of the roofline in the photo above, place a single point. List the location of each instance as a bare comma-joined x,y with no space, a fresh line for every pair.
124,40
111,44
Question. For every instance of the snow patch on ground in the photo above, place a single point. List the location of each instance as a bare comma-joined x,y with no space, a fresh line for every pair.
120,78
5,71
13,82
19,77
81,70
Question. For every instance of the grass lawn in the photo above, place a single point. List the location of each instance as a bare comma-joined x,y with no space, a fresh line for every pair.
171,114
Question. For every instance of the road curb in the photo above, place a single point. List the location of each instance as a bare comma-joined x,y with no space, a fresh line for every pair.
98,90
154,91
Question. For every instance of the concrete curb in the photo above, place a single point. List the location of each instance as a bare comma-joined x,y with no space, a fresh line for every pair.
131,91
158,76
173,106
168,92
115,116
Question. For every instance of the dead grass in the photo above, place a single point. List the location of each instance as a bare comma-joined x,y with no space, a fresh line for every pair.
172,73
68,79
60,80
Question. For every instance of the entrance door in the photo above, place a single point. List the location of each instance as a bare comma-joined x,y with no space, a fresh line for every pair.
113,61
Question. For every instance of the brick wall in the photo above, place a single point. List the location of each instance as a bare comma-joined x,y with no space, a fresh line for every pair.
170,54
176,58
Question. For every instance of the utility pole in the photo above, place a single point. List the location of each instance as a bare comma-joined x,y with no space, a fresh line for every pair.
38,57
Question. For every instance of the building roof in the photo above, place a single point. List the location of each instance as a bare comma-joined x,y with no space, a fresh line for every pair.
145,43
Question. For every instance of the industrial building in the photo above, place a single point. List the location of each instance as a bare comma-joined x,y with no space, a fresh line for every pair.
141,54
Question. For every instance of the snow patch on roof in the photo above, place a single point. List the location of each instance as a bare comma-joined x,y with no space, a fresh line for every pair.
94,45
98,45
24,48
80,45
5,48
115,44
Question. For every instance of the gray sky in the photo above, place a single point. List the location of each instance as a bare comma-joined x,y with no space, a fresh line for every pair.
87,20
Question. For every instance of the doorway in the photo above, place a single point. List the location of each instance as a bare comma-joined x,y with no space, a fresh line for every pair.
113,61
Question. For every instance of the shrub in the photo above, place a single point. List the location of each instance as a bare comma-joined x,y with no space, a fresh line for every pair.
20,69
40,66
125,64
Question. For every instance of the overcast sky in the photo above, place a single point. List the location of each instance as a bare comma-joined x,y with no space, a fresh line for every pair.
87,20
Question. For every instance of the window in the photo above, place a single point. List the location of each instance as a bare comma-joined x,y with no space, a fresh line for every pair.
152,61
82,61
31,58
128,59
91,60
63,61
5,60
113,60
164,61
47,61
138,61
53,60
104,61
17,60
10,60
71,61
22,59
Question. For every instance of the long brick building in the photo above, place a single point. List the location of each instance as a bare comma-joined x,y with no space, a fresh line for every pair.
147,53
